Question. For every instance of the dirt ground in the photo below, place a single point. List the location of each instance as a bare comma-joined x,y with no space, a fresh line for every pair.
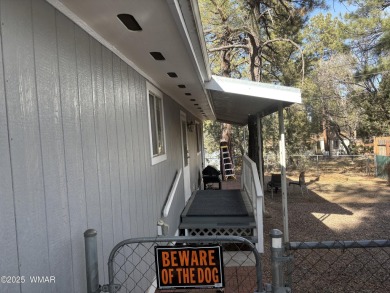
337,207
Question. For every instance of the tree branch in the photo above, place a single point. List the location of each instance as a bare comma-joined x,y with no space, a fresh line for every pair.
294,44
211,50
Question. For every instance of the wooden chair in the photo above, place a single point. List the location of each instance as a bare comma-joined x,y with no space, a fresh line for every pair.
301,182
275,183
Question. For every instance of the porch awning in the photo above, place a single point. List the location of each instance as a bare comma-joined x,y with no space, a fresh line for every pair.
234,99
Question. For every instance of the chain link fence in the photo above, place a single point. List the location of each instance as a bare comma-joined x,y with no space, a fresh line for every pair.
320,164
338,266
132,268
327,266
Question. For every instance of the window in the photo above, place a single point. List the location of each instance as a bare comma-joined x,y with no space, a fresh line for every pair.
335,144
156,125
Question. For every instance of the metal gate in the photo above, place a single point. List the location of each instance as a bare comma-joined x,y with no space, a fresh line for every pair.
131,264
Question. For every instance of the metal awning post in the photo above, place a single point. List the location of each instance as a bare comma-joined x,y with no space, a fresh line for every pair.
282,155
260,167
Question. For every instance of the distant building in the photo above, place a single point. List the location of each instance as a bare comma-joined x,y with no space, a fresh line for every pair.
336,146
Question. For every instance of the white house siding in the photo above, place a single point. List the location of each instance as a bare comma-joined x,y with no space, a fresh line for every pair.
74,150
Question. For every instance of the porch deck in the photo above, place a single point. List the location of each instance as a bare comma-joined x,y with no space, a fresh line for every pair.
219,212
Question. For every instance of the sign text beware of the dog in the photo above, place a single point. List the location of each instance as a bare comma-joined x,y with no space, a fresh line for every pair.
185,266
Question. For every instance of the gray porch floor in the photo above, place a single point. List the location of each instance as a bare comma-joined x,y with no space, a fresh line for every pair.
217,209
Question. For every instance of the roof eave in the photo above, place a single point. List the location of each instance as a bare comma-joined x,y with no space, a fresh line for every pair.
187,16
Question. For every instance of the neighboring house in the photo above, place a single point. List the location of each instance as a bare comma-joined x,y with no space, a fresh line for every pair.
336,146
97,116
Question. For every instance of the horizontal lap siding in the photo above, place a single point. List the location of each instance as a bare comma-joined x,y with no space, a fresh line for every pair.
75,149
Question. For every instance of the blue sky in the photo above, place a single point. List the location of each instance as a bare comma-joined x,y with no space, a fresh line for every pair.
335,8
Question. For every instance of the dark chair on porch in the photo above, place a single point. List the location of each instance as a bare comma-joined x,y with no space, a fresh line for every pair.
275,183
211,175
301,182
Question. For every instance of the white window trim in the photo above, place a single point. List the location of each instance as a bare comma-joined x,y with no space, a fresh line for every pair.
151,88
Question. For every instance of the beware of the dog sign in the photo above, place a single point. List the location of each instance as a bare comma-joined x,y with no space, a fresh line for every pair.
195,267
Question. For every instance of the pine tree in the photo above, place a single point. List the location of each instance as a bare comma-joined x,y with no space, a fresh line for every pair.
257,40
369,37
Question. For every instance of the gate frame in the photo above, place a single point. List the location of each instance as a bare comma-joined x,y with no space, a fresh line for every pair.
92,258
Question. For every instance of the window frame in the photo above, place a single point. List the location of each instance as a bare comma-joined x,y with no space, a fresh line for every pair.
156,94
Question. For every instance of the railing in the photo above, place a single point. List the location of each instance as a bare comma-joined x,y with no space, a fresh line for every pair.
250,183
171,194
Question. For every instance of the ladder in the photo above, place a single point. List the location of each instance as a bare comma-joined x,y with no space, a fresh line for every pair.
227,165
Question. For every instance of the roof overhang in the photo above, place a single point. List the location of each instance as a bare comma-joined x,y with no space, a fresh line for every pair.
235,99
173,27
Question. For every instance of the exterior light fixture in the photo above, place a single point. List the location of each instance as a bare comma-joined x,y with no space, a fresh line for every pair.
191,126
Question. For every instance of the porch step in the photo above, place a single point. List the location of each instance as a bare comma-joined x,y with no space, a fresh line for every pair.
218,212
217,222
